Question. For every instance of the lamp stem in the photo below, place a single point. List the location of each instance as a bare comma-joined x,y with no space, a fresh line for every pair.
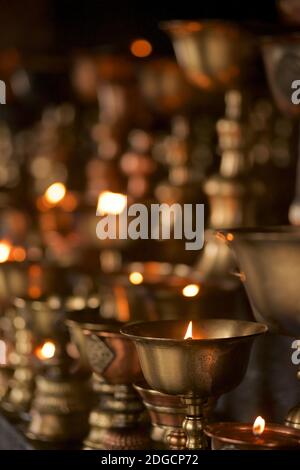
194,422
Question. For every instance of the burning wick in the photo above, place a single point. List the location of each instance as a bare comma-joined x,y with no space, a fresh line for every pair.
55,193
258,426
5,249
46,351
189,331
111,203
136,278
190,290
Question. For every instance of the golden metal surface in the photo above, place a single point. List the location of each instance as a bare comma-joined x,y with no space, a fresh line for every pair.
117,420
197,369
269,259
20,386
281,55
111,355
60,409
214,54
201,367
166,412
76,320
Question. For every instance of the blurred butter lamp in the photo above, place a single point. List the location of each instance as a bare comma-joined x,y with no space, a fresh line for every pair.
256,436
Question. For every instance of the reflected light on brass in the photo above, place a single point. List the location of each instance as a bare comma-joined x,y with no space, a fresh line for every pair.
111,203
269,261
190,290
212,53
55,193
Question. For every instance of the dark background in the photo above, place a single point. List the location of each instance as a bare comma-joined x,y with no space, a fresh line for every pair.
64,25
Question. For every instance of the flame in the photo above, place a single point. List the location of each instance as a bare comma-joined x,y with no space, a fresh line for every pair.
189,331
191,290
3,353
136,278
5,249
34,292
111,203
19,253
140,48
258,426
55,193
46,350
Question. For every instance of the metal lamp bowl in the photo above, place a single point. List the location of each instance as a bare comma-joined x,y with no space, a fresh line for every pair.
269,259
213,53
38,279
204,367
239,436
111,355
15,279
165,87
158,296
77,321
44,316
281,56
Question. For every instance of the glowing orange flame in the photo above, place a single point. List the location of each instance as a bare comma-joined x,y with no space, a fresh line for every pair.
140,48
45,351
5,249
136,278
189,331
190,290
258,426
55,193
18,253
111,203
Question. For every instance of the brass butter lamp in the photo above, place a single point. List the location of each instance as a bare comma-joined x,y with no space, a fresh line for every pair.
281,55
269,260
60,400
116,422
205,360
216,57
214,54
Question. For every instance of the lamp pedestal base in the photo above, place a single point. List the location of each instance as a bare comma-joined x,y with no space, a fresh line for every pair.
59,411
116,423
20,386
